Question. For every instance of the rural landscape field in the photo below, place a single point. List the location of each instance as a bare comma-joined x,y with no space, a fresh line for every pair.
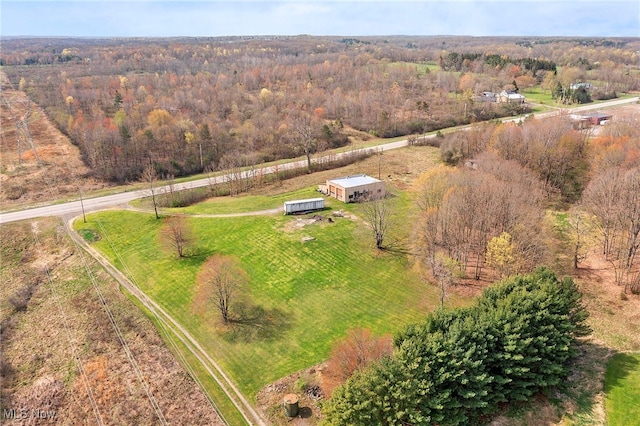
495,280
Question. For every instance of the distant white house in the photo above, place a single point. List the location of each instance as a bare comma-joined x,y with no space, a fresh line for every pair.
511,97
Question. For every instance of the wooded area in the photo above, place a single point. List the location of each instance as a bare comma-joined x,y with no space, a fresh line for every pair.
191,104
150,109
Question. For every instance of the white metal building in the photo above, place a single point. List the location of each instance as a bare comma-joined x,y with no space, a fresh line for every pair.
297,206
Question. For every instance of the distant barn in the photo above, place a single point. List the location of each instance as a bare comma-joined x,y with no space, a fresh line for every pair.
302,206
581,121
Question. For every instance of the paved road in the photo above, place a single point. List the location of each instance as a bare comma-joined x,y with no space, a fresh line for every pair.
74,208
110,201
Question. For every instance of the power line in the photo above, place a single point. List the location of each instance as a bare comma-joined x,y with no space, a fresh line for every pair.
72,346
24,127
123,342
128,273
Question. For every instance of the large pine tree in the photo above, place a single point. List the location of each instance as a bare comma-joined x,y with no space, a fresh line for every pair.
455,367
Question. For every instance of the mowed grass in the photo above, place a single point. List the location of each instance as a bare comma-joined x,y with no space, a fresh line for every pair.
302,297
540,96
248,203
622,390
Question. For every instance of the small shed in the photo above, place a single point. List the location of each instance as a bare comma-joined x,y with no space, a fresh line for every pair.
299,206
353,188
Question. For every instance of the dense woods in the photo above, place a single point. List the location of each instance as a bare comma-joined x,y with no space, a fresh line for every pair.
190,104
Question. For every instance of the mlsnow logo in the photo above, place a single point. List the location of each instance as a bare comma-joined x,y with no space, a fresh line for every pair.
23,414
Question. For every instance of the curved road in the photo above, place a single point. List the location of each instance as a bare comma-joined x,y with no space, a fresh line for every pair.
74,208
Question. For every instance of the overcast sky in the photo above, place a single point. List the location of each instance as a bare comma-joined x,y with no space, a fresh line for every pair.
157,18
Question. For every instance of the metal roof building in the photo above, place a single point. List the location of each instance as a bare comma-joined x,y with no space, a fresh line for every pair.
300,206
353,188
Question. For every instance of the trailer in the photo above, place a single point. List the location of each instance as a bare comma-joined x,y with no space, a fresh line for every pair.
303,206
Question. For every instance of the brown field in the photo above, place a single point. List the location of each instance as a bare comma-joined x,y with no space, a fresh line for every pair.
49,169
60,350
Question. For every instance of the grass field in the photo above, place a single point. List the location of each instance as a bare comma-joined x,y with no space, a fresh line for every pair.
303,296
249,203
622,388
539,96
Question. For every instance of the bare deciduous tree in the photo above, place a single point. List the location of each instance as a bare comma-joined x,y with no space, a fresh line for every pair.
177,234
377,212
465,208
303,135
220,281
581,232
357,350
614,197
150,176
444,270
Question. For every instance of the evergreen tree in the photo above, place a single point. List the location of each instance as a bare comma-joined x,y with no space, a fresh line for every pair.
458,365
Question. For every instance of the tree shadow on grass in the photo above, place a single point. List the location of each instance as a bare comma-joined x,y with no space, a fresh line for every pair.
195,255
577,399
398,247
583,389
252,323
200,253
619,368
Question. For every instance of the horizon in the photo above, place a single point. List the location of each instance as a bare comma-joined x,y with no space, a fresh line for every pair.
349,18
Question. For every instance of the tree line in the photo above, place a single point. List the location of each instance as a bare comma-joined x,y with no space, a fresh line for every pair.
454,61
187,105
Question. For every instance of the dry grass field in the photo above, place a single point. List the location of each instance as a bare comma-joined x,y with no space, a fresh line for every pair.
60,352
41,170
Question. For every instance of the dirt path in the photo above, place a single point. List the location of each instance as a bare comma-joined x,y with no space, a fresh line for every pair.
211,366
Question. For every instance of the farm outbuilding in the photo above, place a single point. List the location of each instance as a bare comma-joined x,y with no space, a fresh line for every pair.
300,206
353,188
511,97
581,121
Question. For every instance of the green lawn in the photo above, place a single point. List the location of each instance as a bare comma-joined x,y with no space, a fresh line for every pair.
622,390
539,96
247,203
309,294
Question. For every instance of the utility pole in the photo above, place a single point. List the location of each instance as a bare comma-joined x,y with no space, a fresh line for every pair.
84,217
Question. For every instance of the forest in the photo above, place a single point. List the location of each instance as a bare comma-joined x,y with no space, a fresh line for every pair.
186,105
